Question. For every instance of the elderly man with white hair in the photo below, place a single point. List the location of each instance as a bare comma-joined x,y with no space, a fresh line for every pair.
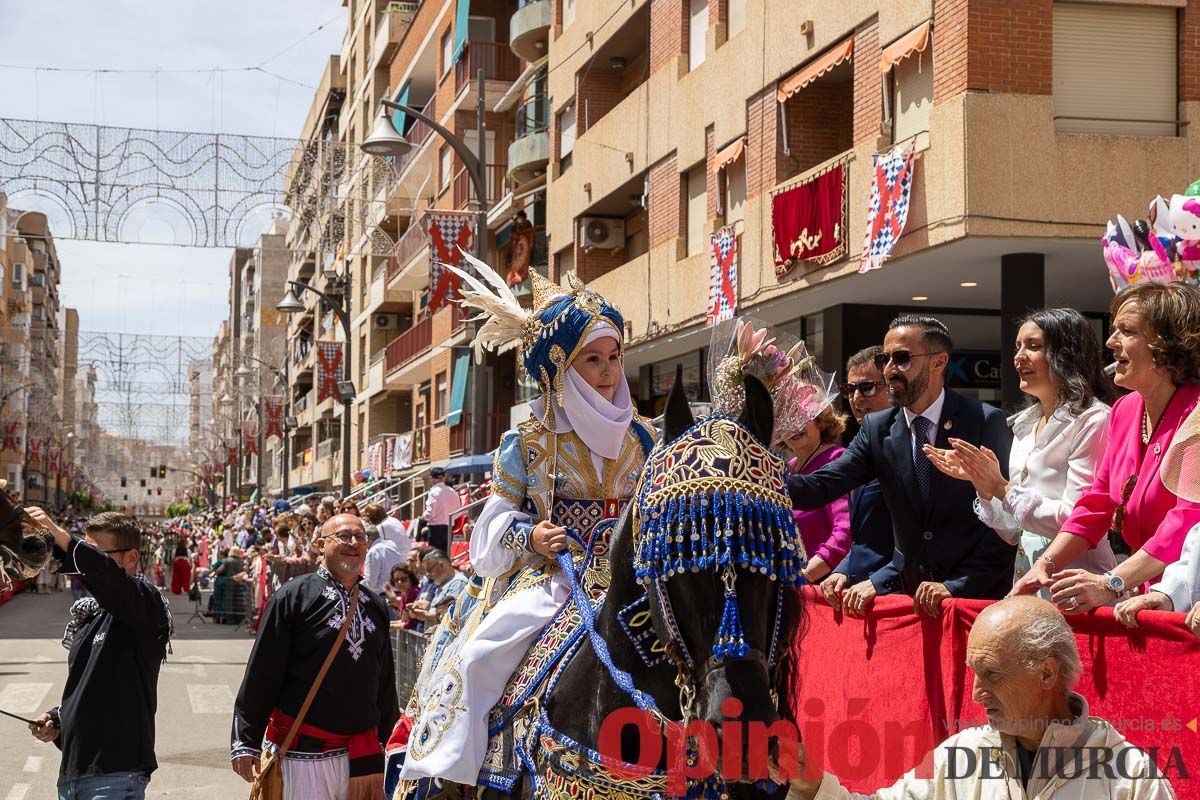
1039,742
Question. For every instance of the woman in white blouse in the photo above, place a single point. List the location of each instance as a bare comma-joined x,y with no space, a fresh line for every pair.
1057,440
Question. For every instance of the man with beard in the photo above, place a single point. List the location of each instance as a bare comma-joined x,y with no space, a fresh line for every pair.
942,549
337,753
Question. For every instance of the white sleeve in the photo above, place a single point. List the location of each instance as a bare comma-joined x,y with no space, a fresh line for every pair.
1181,580
489,553
992,513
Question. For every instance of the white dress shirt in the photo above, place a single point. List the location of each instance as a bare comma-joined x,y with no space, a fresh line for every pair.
381,557
393,530
933,414
440,503
1047,473
1181,580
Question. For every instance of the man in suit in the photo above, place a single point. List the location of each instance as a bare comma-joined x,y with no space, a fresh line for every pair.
942,550
870,524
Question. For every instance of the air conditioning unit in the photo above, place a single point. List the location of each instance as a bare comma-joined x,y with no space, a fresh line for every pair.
384,320
602,233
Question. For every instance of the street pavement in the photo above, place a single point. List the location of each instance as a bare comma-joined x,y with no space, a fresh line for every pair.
195,700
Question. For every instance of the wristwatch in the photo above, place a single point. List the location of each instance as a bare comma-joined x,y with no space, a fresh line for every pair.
1115,583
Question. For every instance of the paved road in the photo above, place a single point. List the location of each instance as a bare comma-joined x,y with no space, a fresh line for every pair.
195,701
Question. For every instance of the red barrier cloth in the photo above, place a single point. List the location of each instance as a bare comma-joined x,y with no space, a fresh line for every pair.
873,696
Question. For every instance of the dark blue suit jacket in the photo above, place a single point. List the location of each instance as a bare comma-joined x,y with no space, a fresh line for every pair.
873,542
937,540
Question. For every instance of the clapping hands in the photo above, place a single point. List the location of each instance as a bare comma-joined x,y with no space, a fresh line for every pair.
964,461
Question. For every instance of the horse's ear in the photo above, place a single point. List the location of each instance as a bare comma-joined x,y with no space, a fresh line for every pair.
759,413
677,417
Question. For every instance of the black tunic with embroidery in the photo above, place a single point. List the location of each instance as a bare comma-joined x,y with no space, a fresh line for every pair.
111,693
299,625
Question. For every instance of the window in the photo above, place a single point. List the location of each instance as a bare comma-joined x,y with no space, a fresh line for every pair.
439,396
1115,69
911,96
446,162
737,17
734,191
566,135
18,276
568,12
565,260
447,51
697,207
697,32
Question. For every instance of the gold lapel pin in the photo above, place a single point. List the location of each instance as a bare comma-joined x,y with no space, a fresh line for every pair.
948,425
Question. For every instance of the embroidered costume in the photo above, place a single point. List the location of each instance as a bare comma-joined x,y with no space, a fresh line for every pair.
355,708
576,463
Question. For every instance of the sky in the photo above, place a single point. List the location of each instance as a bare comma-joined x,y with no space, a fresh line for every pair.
161,289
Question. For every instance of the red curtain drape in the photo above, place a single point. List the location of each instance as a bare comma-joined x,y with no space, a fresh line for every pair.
808,221
873,696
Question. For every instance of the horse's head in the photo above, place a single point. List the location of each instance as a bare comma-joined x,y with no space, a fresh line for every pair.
716,548
24,548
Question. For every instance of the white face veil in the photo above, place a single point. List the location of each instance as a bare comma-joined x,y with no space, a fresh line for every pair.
600,424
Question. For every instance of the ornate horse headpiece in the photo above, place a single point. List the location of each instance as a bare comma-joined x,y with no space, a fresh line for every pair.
714,500
550,334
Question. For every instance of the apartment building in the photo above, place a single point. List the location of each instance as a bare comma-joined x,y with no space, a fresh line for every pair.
1031,124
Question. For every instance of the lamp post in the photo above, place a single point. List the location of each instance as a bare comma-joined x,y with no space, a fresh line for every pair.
290,304
283,377
385,140
226,402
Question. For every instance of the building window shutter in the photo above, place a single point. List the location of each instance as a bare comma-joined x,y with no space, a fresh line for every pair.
697,32
1115,69
697,208
737,17
912,95
566,120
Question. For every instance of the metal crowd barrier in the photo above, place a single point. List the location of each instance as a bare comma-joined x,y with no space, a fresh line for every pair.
409,648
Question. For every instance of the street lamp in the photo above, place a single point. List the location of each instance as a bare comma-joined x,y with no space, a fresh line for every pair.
290,304
385,140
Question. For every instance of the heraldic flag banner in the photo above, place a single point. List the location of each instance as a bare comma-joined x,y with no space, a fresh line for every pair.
722,285
449,235
888,211
272,405
329,367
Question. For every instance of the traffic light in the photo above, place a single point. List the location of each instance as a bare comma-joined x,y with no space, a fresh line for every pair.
160,491
162,471
143,483
154,472
122,481
149,492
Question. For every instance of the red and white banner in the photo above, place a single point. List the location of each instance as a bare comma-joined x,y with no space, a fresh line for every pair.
449,234
329,367
52,459
35,450
272,405
888,211
8,435
231,455
250,437
722,281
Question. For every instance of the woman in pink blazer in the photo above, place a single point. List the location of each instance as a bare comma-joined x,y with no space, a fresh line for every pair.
1156,343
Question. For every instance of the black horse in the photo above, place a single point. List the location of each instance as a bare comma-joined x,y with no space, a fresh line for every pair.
585,693
24,547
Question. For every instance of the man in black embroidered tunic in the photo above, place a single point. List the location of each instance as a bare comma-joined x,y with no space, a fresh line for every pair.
338,752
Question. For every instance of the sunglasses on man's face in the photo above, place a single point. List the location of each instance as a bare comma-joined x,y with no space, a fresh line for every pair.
865,388
901,358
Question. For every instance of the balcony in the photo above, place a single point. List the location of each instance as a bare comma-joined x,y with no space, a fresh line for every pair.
494,175
405,348
529,152
529,29
413,241
498,62
422,438
390,30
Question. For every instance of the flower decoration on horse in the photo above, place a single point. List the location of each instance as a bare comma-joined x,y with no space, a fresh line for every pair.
799,389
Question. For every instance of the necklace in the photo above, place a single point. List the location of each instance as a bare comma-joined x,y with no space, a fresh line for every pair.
1146,432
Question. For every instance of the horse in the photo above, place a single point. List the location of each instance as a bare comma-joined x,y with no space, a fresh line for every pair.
24,547
684,668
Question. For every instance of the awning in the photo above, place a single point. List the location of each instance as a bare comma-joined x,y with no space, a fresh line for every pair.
730,153
462,21
832,57
468,465
458,387
915,41
512,97
399,117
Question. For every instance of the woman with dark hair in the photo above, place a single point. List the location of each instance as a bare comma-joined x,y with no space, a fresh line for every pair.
1156,342
1057,441
401,591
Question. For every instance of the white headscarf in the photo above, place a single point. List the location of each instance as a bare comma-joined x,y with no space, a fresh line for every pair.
600,424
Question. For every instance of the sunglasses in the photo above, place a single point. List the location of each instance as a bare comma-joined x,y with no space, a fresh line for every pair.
1126,492
901,358
865,388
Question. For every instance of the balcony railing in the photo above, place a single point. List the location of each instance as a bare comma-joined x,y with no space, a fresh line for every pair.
494,175
496,59
409,345
419,131
408,245
421,437
533,116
